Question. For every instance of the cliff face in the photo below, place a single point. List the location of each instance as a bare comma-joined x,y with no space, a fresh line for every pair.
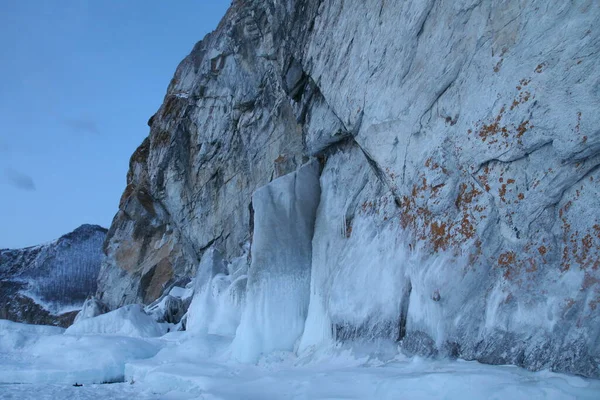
459,145
47,284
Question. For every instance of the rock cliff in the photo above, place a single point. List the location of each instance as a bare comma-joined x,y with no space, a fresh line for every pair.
458,144
48,284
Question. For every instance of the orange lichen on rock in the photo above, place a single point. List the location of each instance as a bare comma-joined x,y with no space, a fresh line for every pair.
523,127
439,235
580,247
532,265
507,260
445,230
489,130
589,281
466,196
494,131
539,68
502,192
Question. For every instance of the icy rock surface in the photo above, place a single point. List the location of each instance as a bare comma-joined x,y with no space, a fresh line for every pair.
129,320
92,307
172,305
358,268
45,284
458,209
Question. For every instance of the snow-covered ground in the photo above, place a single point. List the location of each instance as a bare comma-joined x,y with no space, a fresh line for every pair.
39,362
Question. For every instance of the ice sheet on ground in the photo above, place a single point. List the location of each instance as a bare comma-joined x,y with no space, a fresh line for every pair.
348,373
116,391
10,326
183,366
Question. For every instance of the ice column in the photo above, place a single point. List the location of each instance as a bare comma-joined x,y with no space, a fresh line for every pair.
278,288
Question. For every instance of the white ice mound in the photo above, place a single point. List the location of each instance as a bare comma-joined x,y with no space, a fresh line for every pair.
14,335
278,287
7,326
129,320
42,355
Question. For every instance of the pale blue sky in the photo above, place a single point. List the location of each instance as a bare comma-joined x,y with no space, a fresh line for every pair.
78,81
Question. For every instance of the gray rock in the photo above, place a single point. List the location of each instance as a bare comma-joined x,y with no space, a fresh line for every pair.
174,310
420,344
202,161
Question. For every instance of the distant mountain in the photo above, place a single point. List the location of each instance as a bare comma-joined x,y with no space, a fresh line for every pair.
47,284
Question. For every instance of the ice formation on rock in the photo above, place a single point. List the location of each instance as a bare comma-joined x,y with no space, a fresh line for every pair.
219,292
92,307
277,292
458,208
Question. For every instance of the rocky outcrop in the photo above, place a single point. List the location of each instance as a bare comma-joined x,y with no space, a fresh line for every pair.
460,149
48,284
190,183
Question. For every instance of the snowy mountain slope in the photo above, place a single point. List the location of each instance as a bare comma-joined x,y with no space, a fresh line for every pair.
45,284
